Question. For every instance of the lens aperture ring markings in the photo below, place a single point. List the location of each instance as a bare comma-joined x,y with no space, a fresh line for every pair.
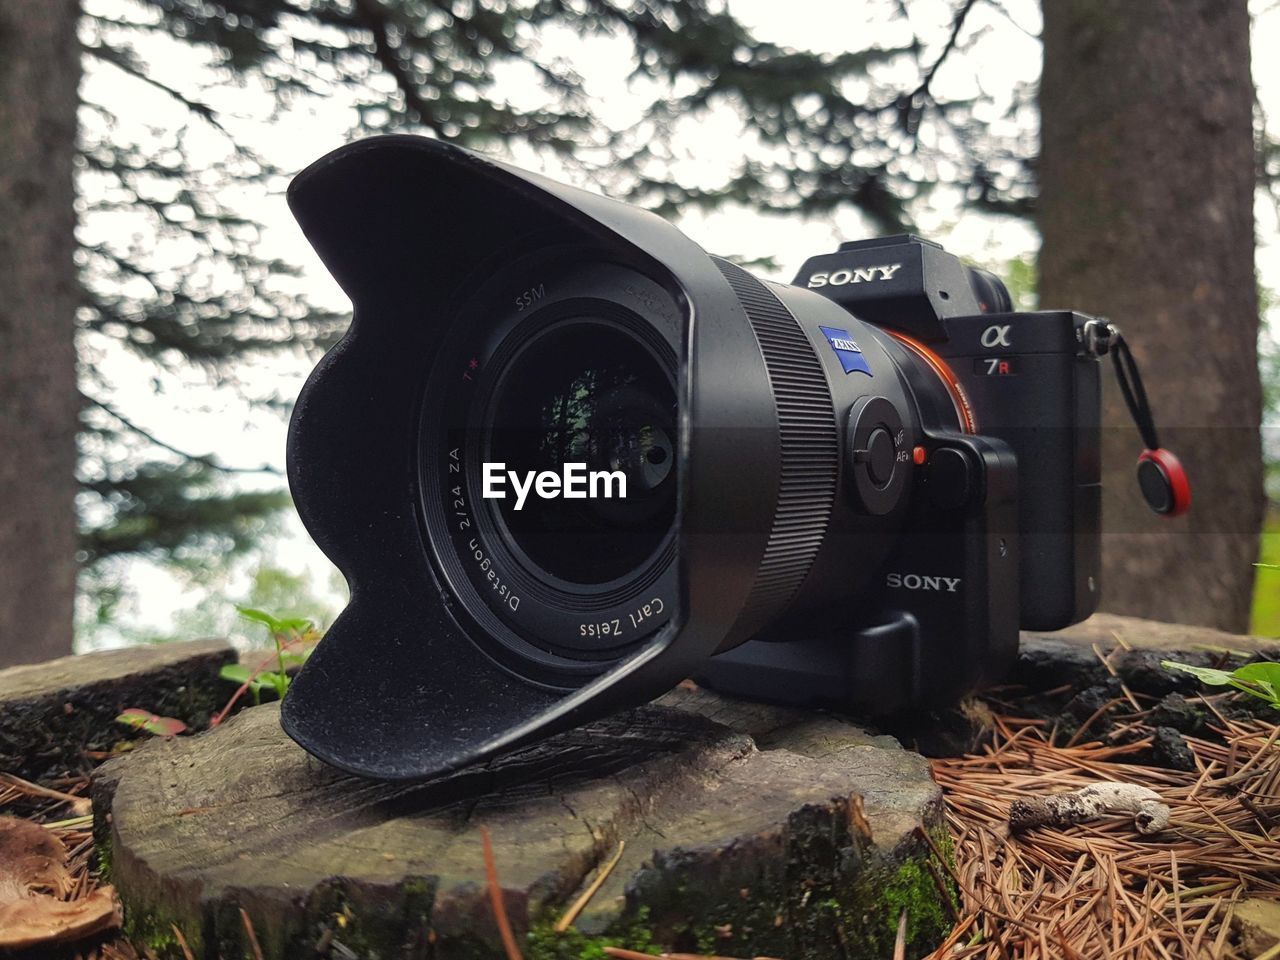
809,445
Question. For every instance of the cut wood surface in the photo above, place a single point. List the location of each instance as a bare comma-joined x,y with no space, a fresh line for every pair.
749,830
50,713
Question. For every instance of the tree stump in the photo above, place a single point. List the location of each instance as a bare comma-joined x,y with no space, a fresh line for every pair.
1135,648
51,713
1077,669
748,830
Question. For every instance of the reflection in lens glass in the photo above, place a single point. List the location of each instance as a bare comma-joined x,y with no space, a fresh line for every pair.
592,394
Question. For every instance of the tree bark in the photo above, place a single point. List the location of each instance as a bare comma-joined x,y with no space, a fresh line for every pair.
1146,210
39,78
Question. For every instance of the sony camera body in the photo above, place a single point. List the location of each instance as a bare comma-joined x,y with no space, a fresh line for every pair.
1006,534
852,490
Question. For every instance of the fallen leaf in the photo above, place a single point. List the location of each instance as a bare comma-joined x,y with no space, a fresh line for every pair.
152,723
31,859
33,881
41,920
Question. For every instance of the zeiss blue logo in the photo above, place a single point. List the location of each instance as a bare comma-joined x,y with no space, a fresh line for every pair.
847,350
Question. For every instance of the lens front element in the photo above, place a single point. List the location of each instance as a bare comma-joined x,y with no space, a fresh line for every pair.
549,463
585,392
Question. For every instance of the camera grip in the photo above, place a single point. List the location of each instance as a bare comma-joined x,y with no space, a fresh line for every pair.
946,616
1035,387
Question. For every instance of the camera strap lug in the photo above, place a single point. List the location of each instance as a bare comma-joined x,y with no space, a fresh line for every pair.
1161,477
1096,338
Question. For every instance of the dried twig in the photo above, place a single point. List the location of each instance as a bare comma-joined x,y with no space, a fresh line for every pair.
1150,813
80,806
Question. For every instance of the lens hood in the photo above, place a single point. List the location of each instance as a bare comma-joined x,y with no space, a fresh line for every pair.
400,686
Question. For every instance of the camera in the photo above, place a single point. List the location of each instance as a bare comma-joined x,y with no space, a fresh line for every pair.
849,491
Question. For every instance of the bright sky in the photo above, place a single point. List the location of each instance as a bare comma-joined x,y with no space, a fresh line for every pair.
191,415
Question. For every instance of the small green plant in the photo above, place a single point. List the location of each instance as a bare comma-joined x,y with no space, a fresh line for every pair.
240,673
294,639
151,723
1261,680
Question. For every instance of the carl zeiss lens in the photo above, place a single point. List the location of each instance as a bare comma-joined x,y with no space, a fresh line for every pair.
585,391
581,381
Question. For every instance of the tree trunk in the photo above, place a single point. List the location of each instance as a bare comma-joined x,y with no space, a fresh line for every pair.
39,77
1146,210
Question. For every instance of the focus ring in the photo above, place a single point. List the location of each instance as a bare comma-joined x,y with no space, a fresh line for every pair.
809,442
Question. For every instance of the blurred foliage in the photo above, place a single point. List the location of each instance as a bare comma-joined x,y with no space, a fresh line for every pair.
1269,370
290,595
1020,276
220,587
1266,591
835,131
177,510
188,289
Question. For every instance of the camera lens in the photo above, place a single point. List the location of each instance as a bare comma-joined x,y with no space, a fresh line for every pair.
503,319
585,391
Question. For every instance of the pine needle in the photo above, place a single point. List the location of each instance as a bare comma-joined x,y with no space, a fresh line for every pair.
182,942
900,941
580,904
1100,888
253,937
495,897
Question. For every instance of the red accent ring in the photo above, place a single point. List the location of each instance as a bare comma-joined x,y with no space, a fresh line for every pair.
1175,476
959,399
